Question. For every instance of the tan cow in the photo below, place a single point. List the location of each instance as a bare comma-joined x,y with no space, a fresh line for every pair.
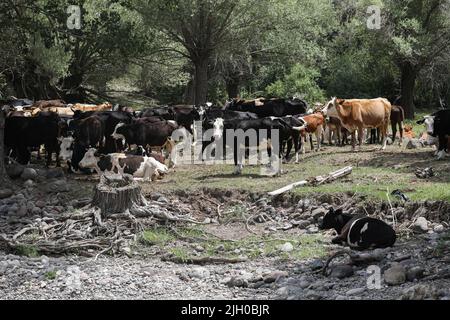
92,107
358,114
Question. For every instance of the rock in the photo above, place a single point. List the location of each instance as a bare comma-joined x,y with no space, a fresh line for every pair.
415,273
40,204
22,211
56,186
5,193
395,275
414,144
163,200
301,224
282,293
287,247
421,225
355,292
29,183
319,213
313,229
207,221
55,173
316,265
238,282
439,228
199,273
419,292
275,276
36,211
341,271
313,295
15,170
29,174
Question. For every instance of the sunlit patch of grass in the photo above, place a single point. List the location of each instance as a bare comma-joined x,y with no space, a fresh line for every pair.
27,250
157,236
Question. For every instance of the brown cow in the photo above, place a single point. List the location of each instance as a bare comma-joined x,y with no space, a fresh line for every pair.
314,125
358,114
42,104
397,118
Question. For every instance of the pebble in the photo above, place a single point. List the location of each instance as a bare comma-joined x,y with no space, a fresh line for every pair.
29,174
341,271
421,225
356,291
395,275
287,247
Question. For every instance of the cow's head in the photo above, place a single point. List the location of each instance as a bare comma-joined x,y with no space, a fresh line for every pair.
66,148
218,126
332,220
428,121
90,159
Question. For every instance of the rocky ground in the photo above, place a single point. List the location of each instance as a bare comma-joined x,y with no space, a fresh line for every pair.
242,225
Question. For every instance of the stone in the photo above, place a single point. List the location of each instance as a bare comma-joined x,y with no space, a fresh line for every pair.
55,173
40,204
5,193
355,292
395,275
319,213
421,225
415,273
282,293
29,183
341,271
56,186
313,229
301,224
15,170
199,273
439,228
275,276
239,282
29,174
316,265
287,247
36,211
419,292
163,200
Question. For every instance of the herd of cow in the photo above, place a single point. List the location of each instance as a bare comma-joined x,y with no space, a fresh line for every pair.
107,138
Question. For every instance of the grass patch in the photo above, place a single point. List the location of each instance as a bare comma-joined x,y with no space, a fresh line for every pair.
27,250
188,241
50,275
158,236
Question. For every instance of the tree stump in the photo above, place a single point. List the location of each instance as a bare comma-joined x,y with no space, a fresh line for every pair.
116,194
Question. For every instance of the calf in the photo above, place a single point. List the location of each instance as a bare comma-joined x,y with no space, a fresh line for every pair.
358,232
408,132
314,125
139,167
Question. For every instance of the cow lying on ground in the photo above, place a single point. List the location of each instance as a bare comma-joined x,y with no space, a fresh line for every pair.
359,232
139,167
438,126
359,114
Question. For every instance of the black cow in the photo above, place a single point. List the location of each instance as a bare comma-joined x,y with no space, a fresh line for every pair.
90,132
144,133
22,133
269,107
438,126
357,231
164,112
237,127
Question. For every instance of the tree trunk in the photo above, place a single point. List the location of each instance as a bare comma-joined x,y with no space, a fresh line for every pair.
4,179
189,94
117,194
201,81
232,88
408,85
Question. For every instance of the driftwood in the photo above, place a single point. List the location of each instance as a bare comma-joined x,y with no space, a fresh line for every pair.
202,260
356,258
315,181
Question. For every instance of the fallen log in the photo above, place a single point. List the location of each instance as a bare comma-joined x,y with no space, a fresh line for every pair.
315,181
202,260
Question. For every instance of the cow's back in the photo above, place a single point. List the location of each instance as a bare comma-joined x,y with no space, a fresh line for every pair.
370,113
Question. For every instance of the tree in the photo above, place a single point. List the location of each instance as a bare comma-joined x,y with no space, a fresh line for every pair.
4,179
201,28
417,32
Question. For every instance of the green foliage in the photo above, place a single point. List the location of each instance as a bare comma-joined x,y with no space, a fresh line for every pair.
50,275
27,250
300,82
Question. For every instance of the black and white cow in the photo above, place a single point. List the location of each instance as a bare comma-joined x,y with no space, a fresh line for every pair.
438,126
139,167
358,232
240,129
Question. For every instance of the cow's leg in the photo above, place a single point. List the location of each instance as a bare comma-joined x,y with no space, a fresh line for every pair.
384,132
311,142
442,146
354,140
237,158
394,131
319,135
401,132
49,150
